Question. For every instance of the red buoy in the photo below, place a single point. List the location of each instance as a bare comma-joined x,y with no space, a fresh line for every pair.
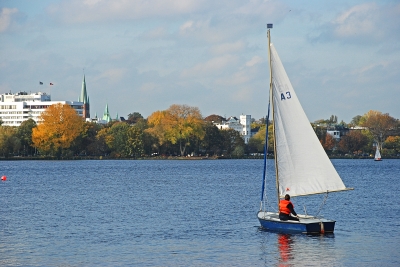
3,178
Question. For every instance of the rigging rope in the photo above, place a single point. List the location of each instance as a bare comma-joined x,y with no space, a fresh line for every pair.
322,204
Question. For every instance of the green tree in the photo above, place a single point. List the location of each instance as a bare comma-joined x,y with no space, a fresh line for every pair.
238,152
212,140
9,142
257,142
126,140
134,142
102,143
134,117
24,133
86,142
231,140
117,137
356,120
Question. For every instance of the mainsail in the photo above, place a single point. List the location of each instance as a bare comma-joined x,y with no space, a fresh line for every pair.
303,167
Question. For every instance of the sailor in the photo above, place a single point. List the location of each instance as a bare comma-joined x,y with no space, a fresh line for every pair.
286,208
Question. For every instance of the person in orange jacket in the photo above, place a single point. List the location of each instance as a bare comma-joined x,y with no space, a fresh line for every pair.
286,208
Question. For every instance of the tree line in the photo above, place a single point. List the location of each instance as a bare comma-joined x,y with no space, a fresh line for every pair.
179,130
358,138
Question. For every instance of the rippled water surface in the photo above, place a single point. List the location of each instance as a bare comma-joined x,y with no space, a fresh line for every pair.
187,213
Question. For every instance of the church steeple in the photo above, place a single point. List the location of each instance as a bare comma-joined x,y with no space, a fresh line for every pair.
85,99
106,114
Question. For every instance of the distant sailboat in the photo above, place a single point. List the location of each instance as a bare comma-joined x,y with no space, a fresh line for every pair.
377,154
297,173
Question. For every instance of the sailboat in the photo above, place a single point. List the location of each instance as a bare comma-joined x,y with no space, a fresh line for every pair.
377,154
301,164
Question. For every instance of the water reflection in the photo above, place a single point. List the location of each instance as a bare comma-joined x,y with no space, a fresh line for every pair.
285,245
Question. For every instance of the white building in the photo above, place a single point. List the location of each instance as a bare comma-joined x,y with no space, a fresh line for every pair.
19,107
335,134
241,125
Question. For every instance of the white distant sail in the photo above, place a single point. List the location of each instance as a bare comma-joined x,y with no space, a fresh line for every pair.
377,153
302,164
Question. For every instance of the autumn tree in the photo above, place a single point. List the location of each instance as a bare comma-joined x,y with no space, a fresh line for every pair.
328,143
393,142
179,124
158,127
215,118
59,126
353,141
378,125
9,142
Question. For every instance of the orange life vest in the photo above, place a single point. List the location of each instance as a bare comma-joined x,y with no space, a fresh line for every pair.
283,206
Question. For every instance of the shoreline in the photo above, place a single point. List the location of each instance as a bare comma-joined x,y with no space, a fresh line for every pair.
171,158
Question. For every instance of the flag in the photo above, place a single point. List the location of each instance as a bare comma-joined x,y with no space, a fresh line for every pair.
40,83
51,84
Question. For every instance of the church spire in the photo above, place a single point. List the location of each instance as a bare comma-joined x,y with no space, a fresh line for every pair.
106,114
84,98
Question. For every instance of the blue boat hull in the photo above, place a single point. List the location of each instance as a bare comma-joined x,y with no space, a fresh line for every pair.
306,225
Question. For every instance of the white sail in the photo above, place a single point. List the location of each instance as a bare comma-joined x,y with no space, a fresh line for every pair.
303,167
377,153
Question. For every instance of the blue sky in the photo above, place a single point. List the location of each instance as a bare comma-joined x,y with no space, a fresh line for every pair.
342,57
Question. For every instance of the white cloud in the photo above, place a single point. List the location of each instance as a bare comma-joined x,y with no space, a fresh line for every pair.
211,67
226,48
187,26
358,20
366,24
112,75
77,11
254,61
6,18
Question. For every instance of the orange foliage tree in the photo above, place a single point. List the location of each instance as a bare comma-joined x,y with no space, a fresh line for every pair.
177,124
59,126
352,142
328,143
393,142
378,124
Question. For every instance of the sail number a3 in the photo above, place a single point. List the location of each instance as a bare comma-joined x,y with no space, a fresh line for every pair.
285,96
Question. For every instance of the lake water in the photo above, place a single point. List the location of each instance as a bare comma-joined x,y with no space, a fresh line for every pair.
186,213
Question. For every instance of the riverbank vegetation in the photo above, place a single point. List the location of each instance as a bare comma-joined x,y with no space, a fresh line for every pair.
182,132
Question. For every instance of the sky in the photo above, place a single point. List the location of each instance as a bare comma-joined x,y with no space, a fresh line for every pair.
342,56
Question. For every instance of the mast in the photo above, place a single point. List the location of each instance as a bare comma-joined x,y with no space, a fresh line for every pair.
271,93
262,203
